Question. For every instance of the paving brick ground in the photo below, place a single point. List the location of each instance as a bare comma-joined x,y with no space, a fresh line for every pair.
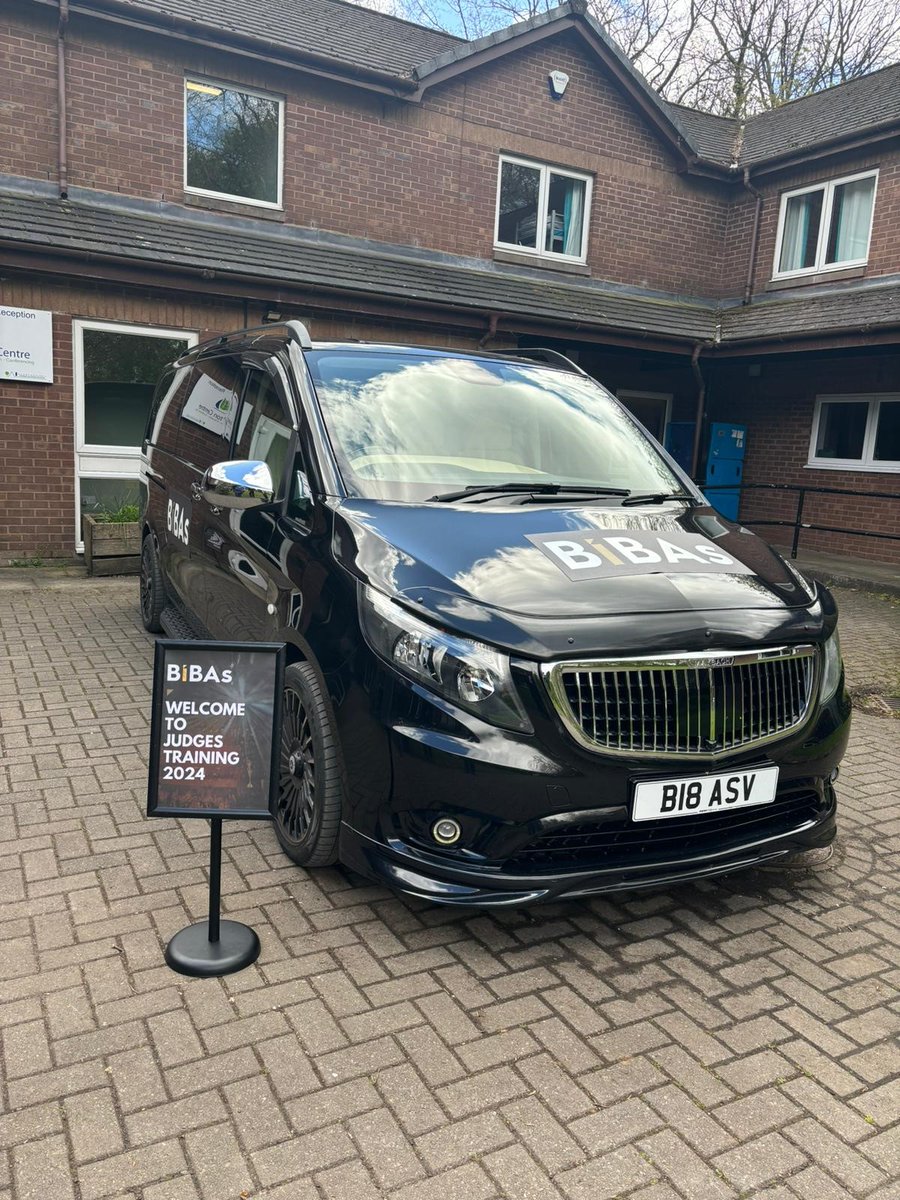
727,1040
871,627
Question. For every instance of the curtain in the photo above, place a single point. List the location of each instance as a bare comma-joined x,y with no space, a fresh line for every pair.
574,219
851,220
795,235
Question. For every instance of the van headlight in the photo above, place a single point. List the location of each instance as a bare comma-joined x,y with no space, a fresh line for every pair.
831,667
474,676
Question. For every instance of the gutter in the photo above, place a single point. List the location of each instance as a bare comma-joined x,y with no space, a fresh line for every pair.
62,101
836,145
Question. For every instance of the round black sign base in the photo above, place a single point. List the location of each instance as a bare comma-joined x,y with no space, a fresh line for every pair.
190,951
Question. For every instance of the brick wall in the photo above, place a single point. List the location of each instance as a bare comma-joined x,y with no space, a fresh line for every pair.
426,174
380,168
884,250
418,174
28,105
37,440
778,408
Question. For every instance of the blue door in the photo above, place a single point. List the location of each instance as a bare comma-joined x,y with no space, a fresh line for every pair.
680,442
725,467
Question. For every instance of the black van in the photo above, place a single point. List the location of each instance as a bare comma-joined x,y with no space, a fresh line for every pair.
527,658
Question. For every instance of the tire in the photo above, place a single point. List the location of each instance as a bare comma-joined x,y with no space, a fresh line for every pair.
310,797
153,593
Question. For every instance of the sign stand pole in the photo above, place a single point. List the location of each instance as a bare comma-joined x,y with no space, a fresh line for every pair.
213,947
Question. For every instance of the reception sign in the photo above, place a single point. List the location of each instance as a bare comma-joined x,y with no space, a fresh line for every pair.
215,729
26,345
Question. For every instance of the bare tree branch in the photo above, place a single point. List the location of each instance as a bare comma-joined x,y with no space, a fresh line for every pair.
732,57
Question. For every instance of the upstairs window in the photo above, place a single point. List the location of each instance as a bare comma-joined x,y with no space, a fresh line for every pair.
856,433
542,210
825,227
232,139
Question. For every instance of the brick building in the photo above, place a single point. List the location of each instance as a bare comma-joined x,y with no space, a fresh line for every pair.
168,171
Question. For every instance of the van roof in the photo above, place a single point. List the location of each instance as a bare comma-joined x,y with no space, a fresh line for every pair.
274,336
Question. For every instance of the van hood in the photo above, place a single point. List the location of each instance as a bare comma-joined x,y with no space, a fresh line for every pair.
550,578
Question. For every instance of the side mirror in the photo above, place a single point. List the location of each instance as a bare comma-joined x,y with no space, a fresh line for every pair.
242,484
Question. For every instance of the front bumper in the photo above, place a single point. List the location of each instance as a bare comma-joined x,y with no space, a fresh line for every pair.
544,819
430,877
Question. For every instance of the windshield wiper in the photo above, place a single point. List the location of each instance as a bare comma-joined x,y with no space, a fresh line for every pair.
526,489
659,497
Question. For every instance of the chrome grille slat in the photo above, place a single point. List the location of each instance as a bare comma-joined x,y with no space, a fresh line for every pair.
691,704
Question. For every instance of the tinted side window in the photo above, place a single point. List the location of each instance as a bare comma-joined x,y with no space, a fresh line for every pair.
165,411
207,418
264,432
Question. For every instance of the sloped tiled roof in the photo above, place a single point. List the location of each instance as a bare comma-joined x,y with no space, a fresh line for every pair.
850,108
290,259
860,308
713,138
343,268
346,33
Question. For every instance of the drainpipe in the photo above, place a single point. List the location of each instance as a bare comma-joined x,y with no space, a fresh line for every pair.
61,97
701,402
491,330
751,265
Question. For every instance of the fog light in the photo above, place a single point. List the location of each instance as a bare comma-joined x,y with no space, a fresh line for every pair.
446,831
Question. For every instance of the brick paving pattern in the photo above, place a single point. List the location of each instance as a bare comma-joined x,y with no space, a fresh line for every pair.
723,1040
872,625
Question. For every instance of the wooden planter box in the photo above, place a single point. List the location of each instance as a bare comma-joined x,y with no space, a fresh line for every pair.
112,549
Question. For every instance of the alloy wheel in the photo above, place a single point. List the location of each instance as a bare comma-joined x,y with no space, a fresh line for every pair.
297,792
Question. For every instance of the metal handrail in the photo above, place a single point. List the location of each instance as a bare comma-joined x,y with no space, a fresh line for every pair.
798,523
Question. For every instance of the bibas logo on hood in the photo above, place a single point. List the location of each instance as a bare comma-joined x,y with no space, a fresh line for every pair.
599,555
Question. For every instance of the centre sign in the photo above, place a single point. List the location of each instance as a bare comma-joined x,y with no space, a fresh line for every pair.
26,345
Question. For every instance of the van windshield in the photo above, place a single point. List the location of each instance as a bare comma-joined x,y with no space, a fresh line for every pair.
407,426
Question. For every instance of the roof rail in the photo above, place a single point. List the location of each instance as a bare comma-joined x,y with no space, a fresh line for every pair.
295,331
299,333
543,354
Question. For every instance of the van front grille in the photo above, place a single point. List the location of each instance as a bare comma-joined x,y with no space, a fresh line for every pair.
690,704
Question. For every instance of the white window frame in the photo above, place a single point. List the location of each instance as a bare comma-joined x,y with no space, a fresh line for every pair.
546,169
873,401
828,187
102,461
626,394
249,91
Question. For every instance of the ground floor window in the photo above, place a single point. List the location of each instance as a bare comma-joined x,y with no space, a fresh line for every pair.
116,369
652,409
856,432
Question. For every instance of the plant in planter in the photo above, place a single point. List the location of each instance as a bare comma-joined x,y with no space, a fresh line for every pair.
112,541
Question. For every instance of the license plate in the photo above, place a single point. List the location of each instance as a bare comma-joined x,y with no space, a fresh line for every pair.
691,796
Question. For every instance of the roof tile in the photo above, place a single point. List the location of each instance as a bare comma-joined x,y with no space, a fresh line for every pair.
304,259
347,33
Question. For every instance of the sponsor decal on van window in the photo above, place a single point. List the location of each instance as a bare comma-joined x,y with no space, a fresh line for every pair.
597,555
212,406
